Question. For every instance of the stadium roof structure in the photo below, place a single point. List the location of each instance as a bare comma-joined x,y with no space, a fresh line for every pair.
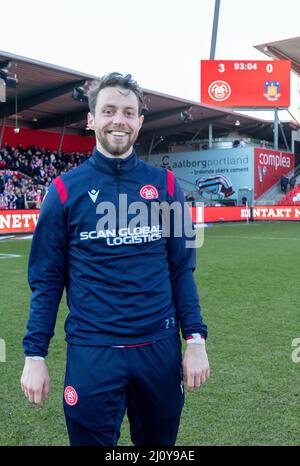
288,49
45,102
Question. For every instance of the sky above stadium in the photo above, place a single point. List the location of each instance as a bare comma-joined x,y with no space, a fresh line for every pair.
160,42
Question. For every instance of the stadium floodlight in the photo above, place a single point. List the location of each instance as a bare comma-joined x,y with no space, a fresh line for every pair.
11,81
3,73
79,94
2,90
185,116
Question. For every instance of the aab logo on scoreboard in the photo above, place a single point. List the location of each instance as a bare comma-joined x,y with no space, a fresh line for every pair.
219,91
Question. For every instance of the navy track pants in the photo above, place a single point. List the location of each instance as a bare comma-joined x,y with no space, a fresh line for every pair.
102,382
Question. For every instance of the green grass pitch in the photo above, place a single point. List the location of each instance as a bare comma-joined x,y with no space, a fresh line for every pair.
248,279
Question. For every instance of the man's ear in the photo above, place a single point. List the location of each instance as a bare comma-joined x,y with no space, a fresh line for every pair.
90,121
141,120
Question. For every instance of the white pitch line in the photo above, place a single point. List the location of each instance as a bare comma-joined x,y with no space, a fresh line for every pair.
9,256
23,237
4,238
15,238
254,237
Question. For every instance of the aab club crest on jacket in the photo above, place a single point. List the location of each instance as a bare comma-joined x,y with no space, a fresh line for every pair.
149,192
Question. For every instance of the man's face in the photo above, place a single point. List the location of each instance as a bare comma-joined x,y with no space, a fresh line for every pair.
116,122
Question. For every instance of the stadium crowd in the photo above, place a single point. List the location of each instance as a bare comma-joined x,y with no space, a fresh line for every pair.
25,174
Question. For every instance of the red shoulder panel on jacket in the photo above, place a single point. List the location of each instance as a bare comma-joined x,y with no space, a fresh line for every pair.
170,182
61,189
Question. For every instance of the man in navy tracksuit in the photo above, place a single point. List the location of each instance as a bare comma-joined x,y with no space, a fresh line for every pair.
129,283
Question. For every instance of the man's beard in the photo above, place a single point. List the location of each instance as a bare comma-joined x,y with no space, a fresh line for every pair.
115,149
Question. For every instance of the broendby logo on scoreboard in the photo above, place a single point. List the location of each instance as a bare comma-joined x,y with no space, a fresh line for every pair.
272,93
245,83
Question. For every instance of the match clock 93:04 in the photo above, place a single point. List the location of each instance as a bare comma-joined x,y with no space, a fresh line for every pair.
245,66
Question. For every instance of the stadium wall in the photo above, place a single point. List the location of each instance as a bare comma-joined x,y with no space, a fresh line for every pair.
47,139
238,214
24,221
252,167
18,221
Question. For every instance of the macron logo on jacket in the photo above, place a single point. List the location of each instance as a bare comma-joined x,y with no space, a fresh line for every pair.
93,195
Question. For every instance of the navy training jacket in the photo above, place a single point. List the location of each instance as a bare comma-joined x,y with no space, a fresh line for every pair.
125,285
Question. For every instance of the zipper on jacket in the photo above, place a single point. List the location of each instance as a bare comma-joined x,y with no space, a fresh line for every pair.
118,168
118,172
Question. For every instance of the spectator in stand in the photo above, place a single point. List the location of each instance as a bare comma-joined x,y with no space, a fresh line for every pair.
7,175
11,199
2,160
29,202
52,157
2,164
20,200
292,181
38,199
284,183
3,201
36,169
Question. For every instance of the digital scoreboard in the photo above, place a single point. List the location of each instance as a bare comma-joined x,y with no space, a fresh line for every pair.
245,83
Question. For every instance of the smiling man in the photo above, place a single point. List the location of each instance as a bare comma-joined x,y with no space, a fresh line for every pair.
129,290
116,119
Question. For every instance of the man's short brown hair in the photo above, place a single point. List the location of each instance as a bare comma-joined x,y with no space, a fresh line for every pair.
114,79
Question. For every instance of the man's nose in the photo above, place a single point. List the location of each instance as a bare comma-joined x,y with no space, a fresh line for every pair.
119,118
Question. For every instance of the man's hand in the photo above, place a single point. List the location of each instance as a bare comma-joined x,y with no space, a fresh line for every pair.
195,366
35,381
